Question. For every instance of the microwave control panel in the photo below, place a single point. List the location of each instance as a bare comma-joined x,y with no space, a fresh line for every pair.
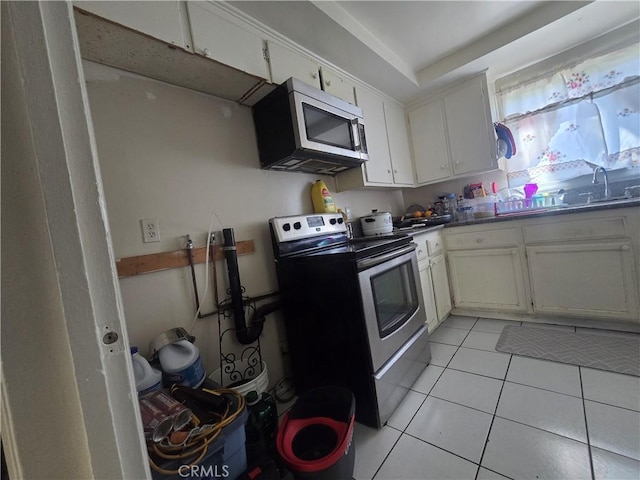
297,227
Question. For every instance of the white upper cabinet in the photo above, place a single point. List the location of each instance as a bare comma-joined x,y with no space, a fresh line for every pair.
378,168
337,86
164,20
217,36
285,63
452,136
399,144
429,141
470,129
389,163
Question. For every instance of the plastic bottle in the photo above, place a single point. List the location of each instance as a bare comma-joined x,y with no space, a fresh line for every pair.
181,364
262,424
148,379
321,198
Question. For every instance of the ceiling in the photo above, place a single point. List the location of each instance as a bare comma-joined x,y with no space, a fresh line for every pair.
408,48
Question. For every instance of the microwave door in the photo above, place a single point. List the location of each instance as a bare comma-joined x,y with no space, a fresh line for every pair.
324,128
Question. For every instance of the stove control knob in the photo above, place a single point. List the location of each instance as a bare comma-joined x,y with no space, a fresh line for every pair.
332,221
340,221
286,227
297,225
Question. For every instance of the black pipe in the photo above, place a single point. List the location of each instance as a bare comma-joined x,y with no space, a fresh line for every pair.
244,334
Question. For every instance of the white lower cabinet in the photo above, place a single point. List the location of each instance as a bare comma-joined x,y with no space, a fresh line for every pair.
579,265
433,277
488,279
587,279
428,294
441,290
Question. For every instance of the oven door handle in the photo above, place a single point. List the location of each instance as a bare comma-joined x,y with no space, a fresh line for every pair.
385,257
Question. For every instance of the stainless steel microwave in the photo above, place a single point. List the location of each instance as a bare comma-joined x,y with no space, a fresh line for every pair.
301,128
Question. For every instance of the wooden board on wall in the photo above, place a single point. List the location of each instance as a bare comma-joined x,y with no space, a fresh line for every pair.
154,262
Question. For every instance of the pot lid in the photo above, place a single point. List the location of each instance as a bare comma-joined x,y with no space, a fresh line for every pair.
376,213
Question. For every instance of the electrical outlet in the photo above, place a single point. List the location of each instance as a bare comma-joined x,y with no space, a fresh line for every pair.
150,230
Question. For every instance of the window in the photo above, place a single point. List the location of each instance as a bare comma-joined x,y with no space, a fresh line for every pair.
567,121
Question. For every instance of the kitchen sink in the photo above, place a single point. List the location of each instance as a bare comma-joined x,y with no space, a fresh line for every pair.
602,201
610,199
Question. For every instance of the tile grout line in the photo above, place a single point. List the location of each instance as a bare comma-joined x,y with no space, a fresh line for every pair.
493,418
403,431
586,426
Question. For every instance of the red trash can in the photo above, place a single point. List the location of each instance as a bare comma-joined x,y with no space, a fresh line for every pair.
315,438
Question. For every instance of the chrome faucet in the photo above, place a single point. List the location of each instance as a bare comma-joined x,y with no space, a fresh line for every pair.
606,180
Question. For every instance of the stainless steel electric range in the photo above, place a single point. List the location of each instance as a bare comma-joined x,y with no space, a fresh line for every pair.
353,311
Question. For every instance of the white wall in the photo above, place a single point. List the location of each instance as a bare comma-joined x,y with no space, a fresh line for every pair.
428,194
186,158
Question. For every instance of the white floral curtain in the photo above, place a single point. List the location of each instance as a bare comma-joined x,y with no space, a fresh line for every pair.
556,141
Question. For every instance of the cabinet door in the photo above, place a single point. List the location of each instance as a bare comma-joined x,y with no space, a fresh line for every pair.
590,279
218,38
441,290
489,279
337,86
162,20
428,295
429,142
467,118
398,144
286,63
378,168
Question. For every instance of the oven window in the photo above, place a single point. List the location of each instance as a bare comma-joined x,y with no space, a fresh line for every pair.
395,297
327,128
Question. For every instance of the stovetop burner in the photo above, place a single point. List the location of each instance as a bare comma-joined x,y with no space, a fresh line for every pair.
325,234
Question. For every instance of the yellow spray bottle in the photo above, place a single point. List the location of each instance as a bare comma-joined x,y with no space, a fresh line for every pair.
321,198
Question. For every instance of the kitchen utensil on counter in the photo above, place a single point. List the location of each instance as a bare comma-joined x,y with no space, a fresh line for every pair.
376,223
448,203
409,223
413,208
530,189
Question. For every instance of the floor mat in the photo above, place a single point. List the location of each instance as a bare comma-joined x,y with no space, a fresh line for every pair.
615,352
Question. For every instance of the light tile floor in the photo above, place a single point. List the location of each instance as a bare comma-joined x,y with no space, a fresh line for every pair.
476,413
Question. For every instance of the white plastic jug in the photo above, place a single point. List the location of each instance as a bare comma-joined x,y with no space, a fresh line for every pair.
148,379
181,364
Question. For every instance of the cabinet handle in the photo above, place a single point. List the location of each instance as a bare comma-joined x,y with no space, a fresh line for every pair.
388,171
206,52
314,75
327,83
457,162
443,166
625,248
479,240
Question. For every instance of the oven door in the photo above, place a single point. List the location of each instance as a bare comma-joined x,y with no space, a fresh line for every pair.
326,128
393,307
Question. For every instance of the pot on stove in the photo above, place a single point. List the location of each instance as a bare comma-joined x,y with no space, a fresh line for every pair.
377,223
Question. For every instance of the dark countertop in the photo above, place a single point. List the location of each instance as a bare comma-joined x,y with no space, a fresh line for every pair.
632,202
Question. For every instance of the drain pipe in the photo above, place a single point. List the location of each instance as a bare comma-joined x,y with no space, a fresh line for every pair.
244,334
